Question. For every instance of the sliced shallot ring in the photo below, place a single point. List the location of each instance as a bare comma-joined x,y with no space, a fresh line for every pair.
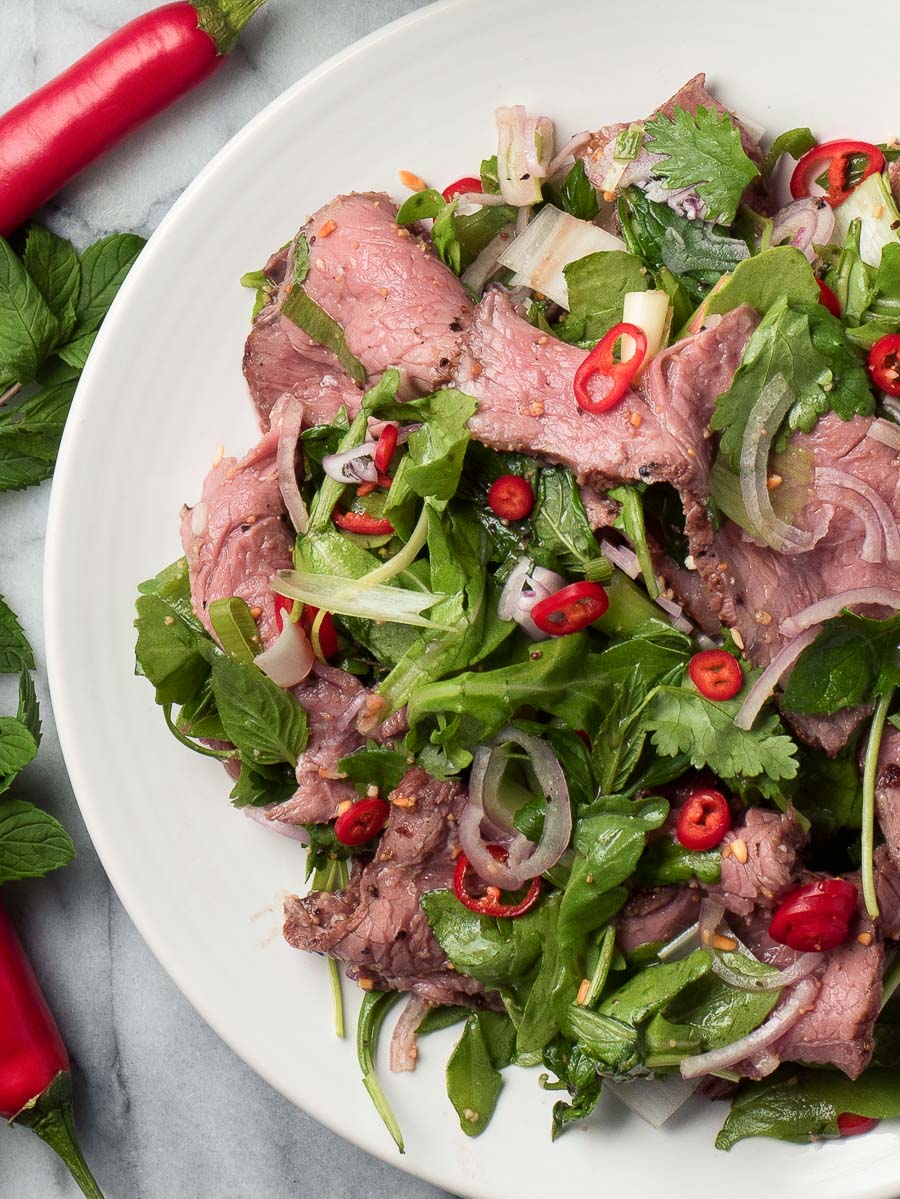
771,676
341,468
403,1040
289,658
260,816
805,964
286,466
833,605
788,1011
886,521
622,556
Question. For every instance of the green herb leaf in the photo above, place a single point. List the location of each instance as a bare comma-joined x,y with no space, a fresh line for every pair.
597,286
375,766
32,842
28,328
266,724
762,281
473,1084
15,652
495,951
421,206
560,528
852,659
795,142
375,1006
718,1013
75,353
169,650
577,194
29,712
315,321
30,435
654,988
55,268
300,261
17,748
703,150
104,266
262,785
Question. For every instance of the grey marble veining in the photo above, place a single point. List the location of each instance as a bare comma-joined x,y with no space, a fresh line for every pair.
166,1111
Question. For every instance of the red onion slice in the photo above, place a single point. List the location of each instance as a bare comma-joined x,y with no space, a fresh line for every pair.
886,432
403,1041
286,466
872,548
886,524
260,816
805,964
676,612
621,556
786,1014
804,223
289,658
567,150
525,860
770,677
356,465
832,605
526,586
655,1100
512,589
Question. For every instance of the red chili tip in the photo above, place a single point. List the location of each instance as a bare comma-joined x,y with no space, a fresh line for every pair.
362,821
704,820
815,917
511,497
716,674
468,183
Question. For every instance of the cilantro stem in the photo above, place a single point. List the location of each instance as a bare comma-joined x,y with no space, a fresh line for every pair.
870,769
375,1006
337,998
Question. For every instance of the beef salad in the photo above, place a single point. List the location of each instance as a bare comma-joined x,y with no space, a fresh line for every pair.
556,613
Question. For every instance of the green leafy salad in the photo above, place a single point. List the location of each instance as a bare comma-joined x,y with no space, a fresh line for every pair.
557,670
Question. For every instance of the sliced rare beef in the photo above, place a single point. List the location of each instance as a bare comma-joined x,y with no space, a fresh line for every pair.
377,926
237,535
656,915
597,154
887,792
759,861
894,177
887,892
396,303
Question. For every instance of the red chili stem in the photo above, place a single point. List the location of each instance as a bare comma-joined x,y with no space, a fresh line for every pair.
35,1085
47,138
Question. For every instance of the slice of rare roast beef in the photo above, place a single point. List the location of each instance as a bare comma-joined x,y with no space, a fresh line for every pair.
759,861
887,792
656,915
376,925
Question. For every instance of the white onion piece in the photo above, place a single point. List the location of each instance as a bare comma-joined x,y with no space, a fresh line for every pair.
524,152
348,597
805,964
289,658
886,522
567,151
711,916
525,860
477,273
651,311
403,1040
483,199
891,404
753,129
539,585
772,675
286,466
199,518
886,432
804,223
786,1014
356,465
681,945
512,589
550,243
872,548
621,556
763,422
260,816
653,1099
824,609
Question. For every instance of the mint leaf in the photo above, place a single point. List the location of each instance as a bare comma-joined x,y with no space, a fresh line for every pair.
683,722
472,1082
104,266
54,266
30,435
597,287
32,842
76,351
28,329
17,749
264,722
15,652
29,713
703,150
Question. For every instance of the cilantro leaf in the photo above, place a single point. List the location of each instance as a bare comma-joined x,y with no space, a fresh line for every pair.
683,722
703,150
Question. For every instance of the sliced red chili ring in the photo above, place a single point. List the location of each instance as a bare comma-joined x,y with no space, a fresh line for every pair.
884,364
703,820
362,821
600,363
570,609
833,159
716,674
828,299
386,447
511,497
490,904
328,642
468,183
362,522
815,917
384,481
851,1125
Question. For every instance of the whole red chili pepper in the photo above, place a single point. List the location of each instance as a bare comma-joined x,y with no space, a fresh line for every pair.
35,1084
131,76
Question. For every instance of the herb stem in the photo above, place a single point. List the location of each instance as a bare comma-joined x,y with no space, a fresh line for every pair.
870,770
10,393
223,755
601,970
337,998
375,1006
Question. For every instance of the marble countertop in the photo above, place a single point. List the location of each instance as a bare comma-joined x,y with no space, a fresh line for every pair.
165,1109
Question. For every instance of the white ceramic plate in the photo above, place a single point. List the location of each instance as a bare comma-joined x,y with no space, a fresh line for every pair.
163,388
